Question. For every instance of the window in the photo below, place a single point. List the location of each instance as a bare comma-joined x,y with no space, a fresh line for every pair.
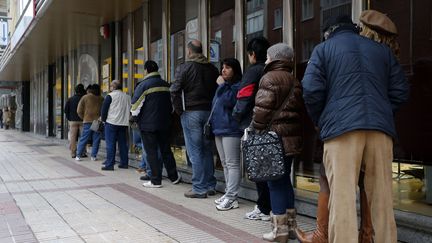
308,46
278,18
255,22
307,9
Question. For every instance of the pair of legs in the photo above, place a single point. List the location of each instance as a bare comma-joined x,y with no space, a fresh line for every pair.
116,135
282,191
75,129
199,150
344,157
85,136
155,142
229,153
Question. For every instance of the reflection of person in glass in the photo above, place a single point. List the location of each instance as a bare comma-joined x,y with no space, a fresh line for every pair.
357,128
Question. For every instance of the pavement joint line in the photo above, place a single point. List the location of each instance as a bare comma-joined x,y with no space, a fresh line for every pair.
211,226
47,179
62,189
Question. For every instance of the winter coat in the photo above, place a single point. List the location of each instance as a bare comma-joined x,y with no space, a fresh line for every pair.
155,112
222,121
89,107
352,83
194,85
274,87
243,109
71,108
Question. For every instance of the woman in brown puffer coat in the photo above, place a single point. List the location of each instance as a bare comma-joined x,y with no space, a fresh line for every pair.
275,86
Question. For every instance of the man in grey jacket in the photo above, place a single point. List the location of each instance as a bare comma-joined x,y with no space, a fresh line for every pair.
115,114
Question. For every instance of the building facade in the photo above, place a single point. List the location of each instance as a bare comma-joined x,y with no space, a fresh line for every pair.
55,45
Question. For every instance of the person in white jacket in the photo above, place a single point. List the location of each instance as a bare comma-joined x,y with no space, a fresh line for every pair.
115,115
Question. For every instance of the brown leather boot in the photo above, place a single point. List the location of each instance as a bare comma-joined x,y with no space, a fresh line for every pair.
366,229
320,235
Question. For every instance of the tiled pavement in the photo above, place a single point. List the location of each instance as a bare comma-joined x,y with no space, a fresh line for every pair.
45,196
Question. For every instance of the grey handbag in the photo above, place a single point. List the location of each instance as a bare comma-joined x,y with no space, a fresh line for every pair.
263,152
97,126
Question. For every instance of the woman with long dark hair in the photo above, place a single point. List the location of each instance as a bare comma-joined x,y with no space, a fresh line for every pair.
227,132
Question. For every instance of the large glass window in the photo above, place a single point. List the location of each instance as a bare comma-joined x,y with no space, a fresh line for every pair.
138,38
263,18
222,23
156,43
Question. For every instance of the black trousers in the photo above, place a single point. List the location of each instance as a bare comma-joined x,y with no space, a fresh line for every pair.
154,142
263,201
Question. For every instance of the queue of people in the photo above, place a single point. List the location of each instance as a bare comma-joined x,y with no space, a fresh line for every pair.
352,88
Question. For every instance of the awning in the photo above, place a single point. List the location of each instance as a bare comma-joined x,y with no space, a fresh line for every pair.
59,27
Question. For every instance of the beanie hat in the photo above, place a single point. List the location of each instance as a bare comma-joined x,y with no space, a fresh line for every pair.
378,21
280,51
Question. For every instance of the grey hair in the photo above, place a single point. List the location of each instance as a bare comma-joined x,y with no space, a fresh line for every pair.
280,51
116,84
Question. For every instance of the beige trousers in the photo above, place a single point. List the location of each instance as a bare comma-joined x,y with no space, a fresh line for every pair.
344,156
75,128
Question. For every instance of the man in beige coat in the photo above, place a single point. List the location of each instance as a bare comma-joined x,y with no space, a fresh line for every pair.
89,110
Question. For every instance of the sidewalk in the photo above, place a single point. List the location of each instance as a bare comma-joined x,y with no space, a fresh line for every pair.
45,196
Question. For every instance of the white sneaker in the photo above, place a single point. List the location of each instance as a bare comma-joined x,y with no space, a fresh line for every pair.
94,158
257,215
149,184
77,158
219,200
227,204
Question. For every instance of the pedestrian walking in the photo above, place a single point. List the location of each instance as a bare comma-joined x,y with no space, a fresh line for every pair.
192,94
7,117
1,118
227,132
151,105
89,110
378,27
357,127
273,112
75,122
243,110
115,114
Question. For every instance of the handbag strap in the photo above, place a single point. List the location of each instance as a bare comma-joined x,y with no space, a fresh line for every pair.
212,110
284,104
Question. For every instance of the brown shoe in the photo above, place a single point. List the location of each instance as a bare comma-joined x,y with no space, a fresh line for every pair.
141,171
320,235
366,229
191,194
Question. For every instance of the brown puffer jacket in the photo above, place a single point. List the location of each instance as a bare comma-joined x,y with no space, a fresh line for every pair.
274,87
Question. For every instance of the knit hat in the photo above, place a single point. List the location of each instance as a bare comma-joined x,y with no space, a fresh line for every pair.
378,21
280,51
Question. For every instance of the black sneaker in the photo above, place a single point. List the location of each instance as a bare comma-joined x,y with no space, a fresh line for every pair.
191,194
145,178
83,156
107,168
211,192
123,166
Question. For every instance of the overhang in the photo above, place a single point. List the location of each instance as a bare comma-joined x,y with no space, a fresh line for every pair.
59,27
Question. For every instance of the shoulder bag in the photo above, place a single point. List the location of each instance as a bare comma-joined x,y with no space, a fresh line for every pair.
263,152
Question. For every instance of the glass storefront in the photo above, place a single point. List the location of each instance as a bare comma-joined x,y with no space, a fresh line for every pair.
156,43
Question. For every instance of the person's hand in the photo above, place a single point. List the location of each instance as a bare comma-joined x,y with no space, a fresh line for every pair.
220,80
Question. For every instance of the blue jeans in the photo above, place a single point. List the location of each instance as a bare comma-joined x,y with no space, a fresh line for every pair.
282,191
137,140
114,134
85,136
199,150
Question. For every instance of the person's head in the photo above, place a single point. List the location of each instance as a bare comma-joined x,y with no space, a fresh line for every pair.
380,28
231,70
257,49
79,89
335,23
115,85
89,88
95,89
194,47
280,51
151,66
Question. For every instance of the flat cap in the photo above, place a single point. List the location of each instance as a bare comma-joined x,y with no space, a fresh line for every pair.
378,21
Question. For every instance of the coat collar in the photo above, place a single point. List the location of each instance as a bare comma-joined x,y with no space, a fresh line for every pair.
279,65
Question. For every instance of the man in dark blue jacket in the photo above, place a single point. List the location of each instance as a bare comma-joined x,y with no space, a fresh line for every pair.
352,88
151,105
